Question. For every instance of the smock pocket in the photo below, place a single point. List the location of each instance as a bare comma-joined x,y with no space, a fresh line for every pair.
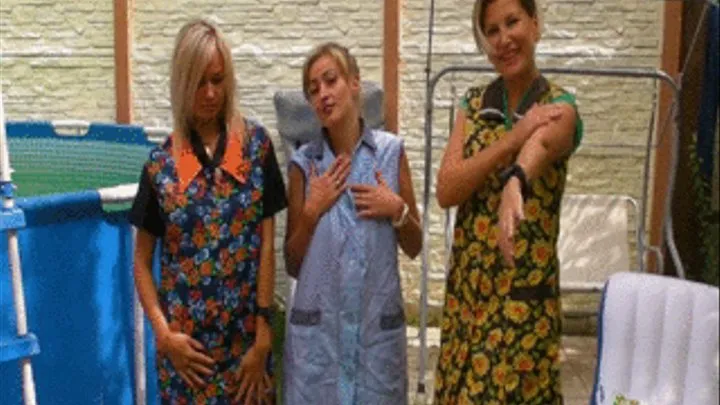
392,321
300,317
386,357
310,350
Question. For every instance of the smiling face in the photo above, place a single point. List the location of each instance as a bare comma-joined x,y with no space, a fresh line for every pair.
511,34
209,98
331,91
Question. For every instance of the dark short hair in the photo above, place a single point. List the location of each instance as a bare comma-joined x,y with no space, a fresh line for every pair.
528,5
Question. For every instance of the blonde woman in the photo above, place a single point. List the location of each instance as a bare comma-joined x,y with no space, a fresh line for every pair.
209,195
351,204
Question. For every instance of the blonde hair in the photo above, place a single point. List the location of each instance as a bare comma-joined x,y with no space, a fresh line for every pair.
347,63
531,7
195,45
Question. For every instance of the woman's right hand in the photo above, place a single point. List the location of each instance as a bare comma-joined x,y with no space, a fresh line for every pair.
188,357
325,189
537,116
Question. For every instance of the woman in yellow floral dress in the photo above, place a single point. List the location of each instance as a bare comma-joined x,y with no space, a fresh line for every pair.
505,168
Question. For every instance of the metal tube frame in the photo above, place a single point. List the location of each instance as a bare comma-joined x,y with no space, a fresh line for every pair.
612,72
28,381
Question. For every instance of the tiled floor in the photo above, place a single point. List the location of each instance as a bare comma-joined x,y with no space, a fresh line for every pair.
578,366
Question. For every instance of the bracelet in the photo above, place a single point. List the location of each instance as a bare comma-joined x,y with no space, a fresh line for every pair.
403,217
516,171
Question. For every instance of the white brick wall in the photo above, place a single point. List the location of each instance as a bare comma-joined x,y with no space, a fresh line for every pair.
57,59
57,62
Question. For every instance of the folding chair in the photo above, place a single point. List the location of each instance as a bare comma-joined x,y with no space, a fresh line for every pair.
593,242
297,123
658,342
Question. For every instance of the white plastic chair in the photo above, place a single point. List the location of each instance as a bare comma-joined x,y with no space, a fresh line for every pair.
658,341
593,243
594,240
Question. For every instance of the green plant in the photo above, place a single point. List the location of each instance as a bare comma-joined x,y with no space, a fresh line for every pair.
278,340
707,217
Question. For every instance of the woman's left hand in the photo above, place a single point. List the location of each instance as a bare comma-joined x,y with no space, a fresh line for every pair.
377,201
255,383
511,213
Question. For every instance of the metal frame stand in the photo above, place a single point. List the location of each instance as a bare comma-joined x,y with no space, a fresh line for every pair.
12,219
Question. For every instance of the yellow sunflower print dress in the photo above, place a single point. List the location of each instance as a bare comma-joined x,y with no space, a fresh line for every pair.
501,326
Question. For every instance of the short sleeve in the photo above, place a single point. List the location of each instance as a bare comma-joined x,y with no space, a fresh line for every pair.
274,197
145,211
464,103
579,127
299,160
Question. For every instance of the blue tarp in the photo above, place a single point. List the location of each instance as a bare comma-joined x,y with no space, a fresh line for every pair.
77,272
78,292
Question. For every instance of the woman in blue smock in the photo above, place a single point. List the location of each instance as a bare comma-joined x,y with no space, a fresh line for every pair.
351,203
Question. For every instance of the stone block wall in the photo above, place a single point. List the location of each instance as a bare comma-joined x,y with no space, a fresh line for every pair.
56,62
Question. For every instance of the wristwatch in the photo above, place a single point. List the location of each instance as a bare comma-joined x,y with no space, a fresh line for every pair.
515,170
265,312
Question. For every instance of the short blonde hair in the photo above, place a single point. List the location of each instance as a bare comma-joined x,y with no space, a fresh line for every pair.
347,63
531,7
195,45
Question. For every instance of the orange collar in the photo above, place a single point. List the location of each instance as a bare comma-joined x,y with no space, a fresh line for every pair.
188,166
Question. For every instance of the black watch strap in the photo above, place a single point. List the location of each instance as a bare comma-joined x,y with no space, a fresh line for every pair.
515,170
265,312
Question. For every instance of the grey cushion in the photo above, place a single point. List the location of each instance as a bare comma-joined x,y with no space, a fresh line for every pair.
297,123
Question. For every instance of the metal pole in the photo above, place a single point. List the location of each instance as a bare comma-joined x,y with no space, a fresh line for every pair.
674,157
14,261
640,237
426,213
672,174
139,336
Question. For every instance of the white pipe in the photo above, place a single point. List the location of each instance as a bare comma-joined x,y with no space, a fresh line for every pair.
163,132
71,127
119,194
122,193
139,315
14,261
70,124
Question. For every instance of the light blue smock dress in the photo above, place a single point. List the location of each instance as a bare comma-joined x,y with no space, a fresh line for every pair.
345,341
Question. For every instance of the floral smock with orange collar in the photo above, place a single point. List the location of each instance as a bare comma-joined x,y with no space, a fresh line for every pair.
208,211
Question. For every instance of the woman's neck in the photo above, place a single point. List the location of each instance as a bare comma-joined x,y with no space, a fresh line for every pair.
344,136
209,132
517,86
